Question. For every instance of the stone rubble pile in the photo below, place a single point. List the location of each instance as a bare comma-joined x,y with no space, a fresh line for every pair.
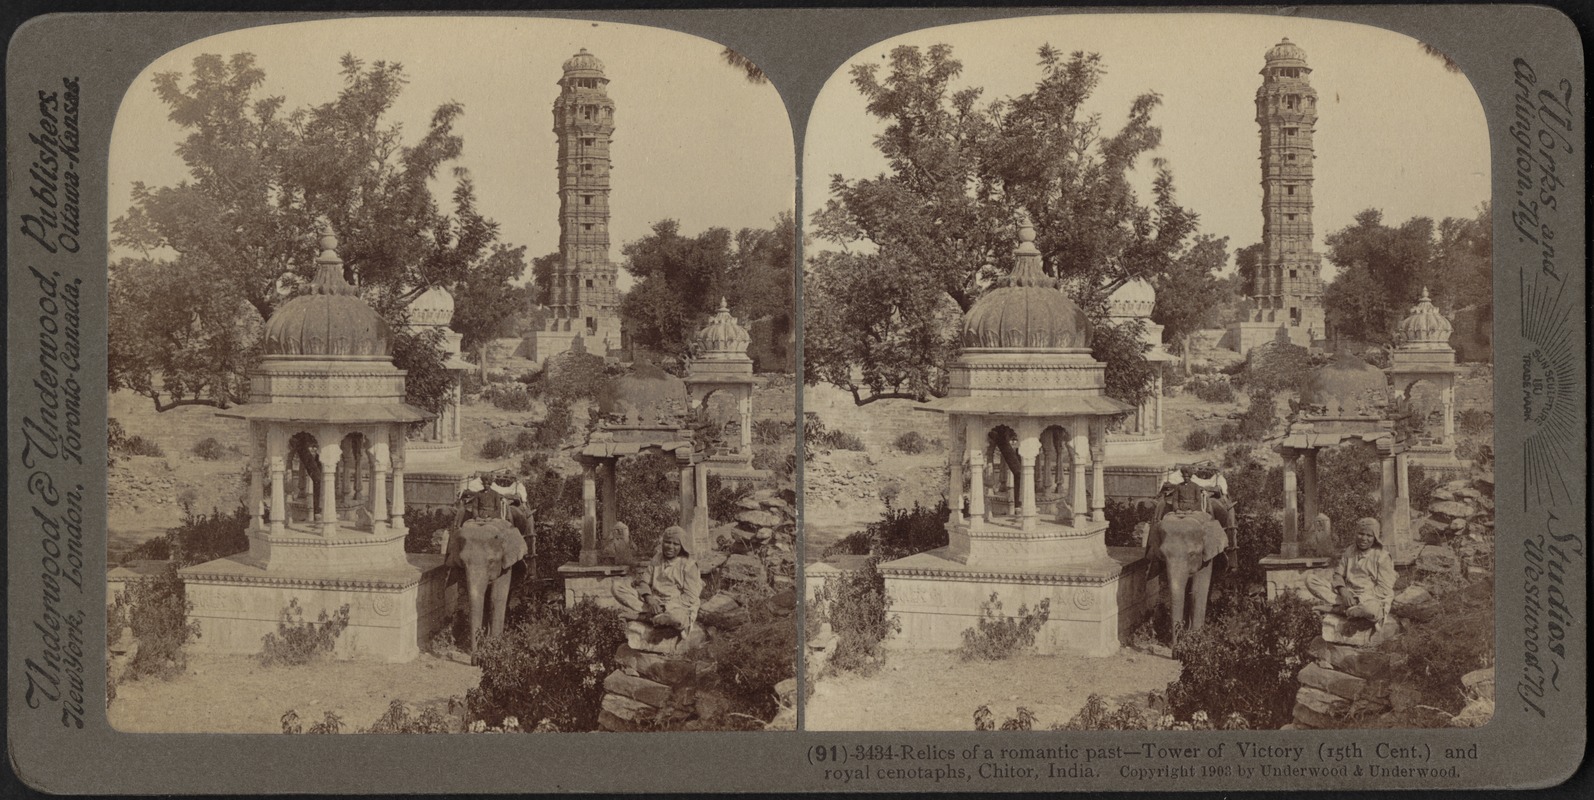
1351,683
664,678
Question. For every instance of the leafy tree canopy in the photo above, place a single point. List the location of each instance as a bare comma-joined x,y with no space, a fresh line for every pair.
245,222
940,224
1383,270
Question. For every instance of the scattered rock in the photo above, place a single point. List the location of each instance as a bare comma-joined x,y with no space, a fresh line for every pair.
636,688
1447,510
1480,684
1412,595
1475,714
1339,684
755,519
1439,559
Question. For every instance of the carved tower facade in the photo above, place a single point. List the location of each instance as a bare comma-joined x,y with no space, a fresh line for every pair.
584,297
1287,294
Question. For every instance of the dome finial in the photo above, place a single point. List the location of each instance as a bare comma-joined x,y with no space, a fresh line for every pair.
1424,298
329,265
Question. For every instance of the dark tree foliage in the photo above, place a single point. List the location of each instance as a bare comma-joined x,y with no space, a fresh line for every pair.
244,225
923,240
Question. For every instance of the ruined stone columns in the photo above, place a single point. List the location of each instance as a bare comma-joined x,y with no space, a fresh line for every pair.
396,454
1309,496
589,512
954,458
611,498
1291,545
1028,447
331,456
380,459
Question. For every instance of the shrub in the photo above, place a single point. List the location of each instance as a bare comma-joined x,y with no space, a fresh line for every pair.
1475,421
899,533
470,383
771,431
722,498
752,659
496,448
156,608
526,439
198,539
1212,389
1122,517
571,376
139,446
996,637
1201,439
209,449
548,671
509,396
1244,660
398,719
858,610
298,642
912,443
1454,642
330,723
1094,716
423,525
840,440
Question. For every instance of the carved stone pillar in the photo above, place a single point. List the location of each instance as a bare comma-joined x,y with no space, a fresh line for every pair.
745,406
1291,545
954,464
257,465
382,463
1098,465
1029,447
611,497
277,459
589,512
331,457
1081,502
1309,495
396,454
974,446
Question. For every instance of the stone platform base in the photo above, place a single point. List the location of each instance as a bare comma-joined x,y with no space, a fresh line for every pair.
428,490
594,583
1289,574
738,473
1094,606
392,612
1121,446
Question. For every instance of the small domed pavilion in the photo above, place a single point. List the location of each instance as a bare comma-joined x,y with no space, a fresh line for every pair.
1026,398
1140,433
326,412
437,470
722,365
1424,356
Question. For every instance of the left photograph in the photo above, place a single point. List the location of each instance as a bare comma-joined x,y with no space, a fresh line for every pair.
452,383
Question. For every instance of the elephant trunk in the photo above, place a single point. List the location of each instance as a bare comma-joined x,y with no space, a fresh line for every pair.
476,581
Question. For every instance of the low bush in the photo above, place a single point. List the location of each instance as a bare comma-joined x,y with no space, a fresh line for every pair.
139,446
330,723
398,719
858,610
1212,389
1095,716
751,660
912,443
996,637
198,539
156,607
722,498
840,440
298,641
548,671
496,448
1454,642
771,431
1475,421
1201,439
899,533
423,525
1244,660
209,449
509,396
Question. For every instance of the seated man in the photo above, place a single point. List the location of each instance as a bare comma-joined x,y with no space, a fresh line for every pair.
496,496
669,589
1361,585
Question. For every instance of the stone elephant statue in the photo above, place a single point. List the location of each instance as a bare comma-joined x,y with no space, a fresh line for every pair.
487,550
1185,544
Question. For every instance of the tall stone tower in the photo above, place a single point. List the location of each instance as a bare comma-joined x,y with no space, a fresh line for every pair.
1287,296
585,296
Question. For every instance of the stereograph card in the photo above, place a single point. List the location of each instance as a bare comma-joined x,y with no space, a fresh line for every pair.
1065,399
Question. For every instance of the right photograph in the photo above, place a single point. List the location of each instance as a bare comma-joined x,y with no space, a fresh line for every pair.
1148,380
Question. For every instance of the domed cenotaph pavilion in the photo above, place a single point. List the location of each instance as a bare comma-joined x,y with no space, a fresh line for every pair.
1140,433
722,367
1424,359
438,471
327,430
1029,405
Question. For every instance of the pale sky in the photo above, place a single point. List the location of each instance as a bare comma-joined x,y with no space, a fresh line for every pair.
693,141
1395,131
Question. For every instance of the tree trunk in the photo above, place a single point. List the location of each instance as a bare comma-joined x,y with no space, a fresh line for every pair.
481,358
1186,359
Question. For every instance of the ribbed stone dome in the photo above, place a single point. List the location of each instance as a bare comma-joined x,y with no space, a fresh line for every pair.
584,63
332,320
645,394
1136,298
1426,328
1027,310
435,306
1286,54
723,337
1347,383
